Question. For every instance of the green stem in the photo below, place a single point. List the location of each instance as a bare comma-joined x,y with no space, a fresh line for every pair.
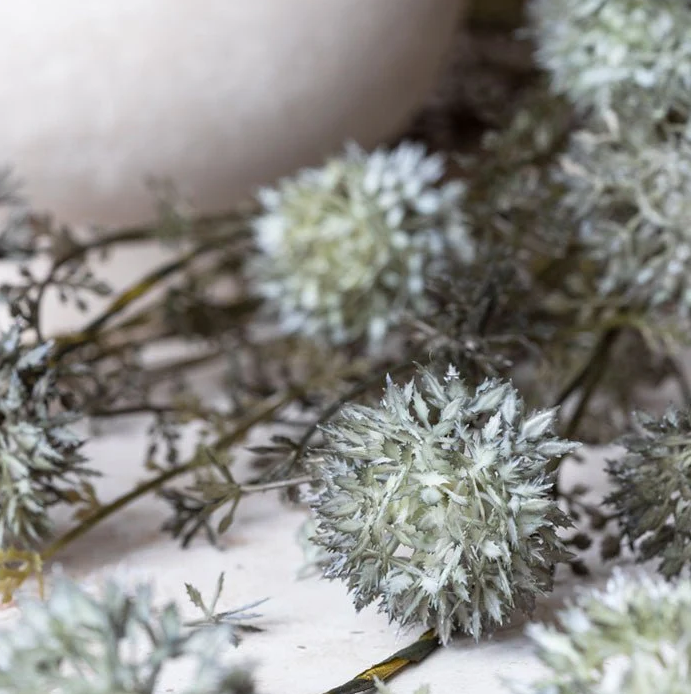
588,379
141,490
68,343
329,412
272,486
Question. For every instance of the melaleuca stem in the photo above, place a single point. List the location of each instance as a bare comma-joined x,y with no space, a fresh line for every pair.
70,342
391,666
240,431
330,411
141,234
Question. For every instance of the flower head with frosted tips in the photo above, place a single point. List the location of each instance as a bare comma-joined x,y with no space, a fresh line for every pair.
118,642
438,503
630,199
344,250
633,637
630,56
40,458
652,490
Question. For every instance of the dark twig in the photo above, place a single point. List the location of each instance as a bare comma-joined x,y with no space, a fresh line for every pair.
386,669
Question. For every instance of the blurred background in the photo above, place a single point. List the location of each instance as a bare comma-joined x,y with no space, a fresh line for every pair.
102,100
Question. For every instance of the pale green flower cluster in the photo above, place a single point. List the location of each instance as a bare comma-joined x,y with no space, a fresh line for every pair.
345,249
438,504
632,56
514,195
633,637
119,643
633,201
40,459
652,490
626,65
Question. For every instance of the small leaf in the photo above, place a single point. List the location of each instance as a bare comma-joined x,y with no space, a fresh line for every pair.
537,425
227,520
219,590
196,597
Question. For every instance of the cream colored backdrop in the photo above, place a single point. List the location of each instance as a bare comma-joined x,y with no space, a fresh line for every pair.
218,95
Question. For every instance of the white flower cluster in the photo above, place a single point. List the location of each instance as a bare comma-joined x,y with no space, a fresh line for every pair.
41,463
627,55
345,248
438,503
652,490
633,200
633,637
116,643
627,65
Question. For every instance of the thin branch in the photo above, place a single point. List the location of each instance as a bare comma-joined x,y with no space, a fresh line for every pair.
145,408
223,442
604,344
68,343
272,486
590,378
330,411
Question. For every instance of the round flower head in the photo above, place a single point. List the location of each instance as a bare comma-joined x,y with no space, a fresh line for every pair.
345,248
438,504
633,637
652,490
40,456
627,55
632,198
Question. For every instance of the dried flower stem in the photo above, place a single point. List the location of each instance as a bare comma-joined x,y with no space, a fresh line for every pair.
272,405
199,227
273,486
151,408
333,409
591,379
125,236
240,309
386,669
603,344
67,343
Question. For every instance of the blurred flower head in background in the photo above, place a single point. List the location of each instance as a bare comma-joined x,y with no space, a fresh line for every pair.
630,56
113,643
345,249
633,637
652,489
